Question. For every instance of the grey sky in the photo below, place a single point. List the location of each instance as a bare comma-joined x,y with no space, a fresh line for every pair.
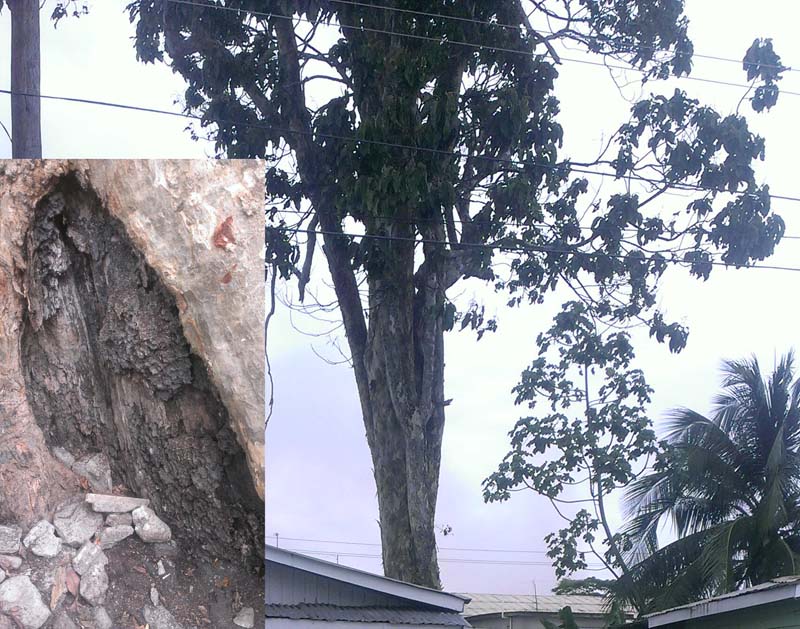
319,481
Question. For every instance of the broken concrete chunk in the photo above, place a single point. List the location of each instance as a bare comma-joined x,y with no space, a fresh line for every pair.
101,619
113,534
9,563
64,456
76,523
87,556
149,527
9,539
94,583
154,596
96,470
159,618
245,618
20,600
106,503
42,541
119,519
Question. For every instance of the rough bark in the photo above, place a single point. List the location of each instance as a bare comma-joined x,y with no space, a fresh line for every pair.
133,296
26,131
398,356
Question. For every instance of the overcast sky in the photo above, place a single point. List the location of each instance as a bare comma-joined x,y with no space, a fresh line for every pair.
319,482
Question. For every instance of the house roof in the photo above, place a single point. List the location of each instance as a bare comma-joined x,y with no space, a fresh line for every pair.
407,591
485,604
781,589
393,616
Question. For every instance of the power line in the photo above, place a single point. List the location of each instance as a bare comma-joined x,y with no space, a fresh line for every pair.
524,248
378,545
353,139
514,27
492,562
466,44
496,222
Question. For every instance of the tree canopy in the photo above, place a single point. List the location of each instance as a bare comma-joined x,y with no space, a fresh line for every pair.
420,141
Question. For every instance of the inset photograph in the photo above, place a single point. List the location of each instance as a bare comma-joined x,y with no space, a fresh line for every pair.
131,393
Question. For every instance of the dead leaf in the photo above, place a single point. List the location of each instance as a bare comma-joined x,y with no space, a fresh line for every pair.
226,581
59,586
140,569
73,581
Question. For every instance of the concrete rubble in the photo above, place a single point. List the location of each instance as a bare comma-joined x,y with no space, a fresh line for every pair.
245,618
115,504
47,593
76,523
149,527
9,539
42,540
22,602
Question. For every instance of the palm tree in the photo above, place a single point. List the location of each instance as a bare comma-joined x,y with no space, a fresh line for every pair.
730,487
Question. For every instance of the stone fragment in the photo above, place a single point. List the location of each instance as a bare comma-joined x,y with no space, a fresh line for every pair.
9,539
76,523
101,618
87,556
154,597
9,563
42,541
106,503
64,456
63,621
94,583
149,527
96,469
245,618
113,534
119,519
159,618
20,600
160,568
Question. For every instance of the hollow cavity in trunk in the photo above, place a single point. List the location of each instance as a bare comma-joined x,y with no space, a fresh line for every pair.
108,370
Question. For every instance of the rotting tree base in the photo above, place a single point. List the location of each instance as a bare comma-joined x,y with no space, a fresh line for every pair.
107,369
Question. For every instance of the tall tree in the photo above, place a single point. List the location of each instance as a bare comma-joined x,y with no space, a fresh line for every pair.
730,486
430,128
26,132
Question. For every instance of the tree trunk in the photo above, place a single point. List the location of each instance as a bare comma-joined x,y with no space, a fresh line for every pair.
26,133
131,305
401,388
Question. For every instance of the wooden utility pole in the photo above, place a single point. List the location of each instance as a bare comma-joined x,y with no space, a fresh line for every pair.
26,129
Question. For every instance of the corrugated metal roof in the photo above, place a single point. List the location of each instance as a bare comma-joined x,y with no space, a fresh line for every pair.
778,582
550,604
395,616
